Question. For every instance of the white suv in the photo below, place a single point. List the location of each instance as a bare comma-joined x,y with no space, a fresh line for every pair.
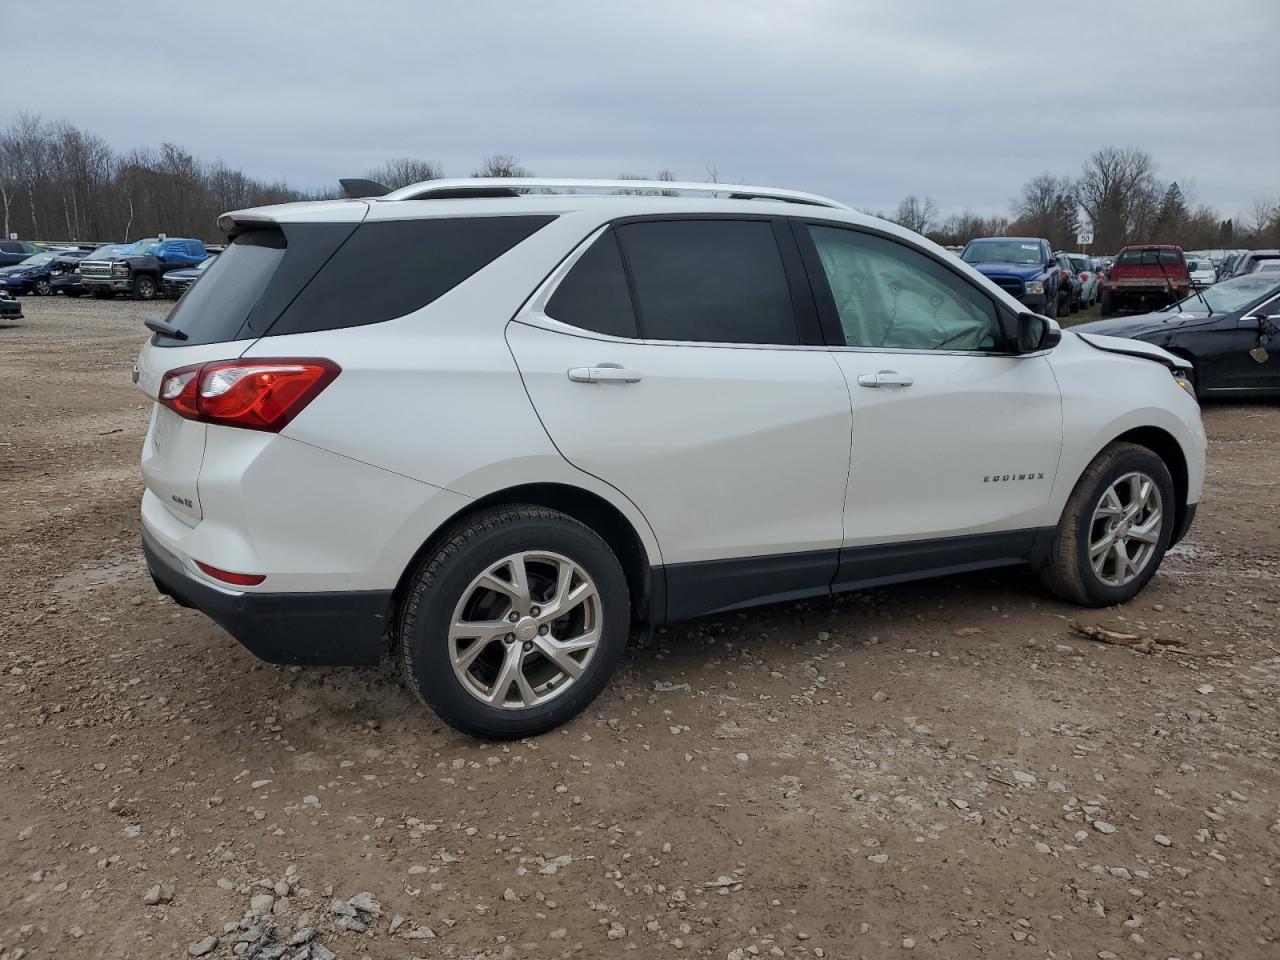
494,423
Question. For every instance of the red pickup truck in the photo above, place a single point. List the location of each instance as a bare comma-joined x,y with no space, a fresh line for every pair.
1145,276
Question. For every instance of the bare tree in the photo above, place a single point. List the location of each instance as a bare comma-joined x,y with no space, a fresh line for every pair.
916,214
1118,190
402,171
1258,217
1047,207
501,165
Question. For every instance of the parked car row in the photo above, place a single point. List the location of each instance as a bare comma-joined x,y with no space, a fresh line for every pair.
1052,283
144,269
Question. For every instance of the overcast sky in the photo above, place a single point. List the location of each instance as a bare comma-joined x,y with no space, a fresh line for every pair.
862,101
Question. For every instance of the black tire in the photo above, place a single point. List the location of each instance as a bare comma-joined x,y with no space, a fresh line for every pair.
145,287
73,293
103,294
1075,305
1051,309
444,576
1066,570
42,287
1108,305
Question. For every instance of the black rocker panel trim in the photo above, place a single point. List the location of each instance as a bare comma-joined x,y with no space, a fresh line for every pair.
716,586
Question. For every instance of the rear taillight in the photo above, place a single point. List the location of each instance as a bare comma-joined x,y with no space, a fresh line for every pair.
1084,277
253,394
226,576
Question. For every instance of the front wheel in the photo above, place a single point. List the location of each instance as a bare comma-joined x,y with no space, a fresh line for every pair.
1051,309
514,623
73,293
144,288
42,287
1114,530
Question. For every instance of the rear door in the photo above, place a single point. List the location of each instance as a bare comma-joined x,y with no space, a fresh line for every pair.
674,360
955,440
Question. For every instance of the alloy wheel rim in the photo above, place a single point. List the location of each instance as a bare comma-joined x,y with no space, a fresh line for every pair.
525,630
1125,529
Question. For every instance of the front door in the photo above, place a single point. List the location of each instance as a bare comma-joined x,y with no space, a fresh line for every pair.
681,380
955,441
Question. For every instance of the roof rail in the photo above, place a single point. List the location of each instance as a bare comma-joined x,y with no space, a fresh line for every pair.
471,187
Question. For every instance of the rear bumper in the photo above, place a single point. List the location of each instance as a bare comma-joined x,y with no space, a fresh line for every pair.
337,628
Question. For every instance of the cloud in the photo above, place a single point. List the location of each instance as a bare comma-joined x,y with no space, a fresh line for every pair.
863,101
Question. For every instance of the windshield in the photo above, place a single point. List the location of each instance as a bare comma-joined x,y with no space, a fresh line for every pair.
1268,266
1148,257
40,258
1081,263
1002,251
204,264
142,248
1230,294
110,250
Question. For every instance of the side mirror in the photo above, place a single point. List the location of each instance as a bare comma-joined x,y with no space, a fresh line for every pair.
1036,333
1267,326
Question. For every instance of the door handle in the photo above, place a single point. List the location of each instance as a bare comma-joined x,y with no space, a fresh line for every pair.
885,378
604,373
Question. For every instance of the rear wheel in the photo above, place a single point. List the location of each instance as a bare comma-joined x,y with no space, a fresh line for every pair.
1115,529
1108,304
144,288
514,623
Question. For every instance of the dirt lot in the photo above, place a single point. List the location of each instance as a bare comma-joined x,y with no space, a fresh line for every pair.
941,768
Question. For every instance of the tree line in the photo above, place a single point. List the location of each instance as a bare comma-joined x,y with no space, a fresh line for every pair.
1121,198
60,182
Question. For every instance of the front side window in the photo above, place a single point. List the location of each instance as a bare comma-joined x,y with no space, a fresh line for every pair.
888,295
711,281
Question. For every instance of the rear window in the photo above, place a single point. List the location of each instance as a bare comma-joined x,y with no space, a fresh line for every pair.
215,309
1148,258
303,278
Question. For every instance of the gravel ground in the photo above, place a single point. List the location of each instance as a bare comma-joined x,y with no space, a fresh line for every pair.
941,769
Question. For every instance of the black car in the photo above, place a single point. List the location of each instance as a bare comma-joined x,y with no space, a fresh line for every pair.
64,271
15,251
32,275
1230,331
10,308
175,282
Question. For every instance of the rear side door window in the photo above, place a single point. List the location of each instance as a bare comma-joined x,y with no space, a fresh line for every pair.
594,295
709,281
886,295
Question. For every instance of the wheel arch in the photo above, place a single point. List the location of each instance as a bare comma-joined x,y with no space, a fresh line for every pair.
644,580
1165,446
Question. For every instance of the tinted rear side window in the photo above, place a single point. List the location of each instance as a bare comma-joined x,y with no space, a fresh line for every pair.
307,277
717,281
594,296
393,267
